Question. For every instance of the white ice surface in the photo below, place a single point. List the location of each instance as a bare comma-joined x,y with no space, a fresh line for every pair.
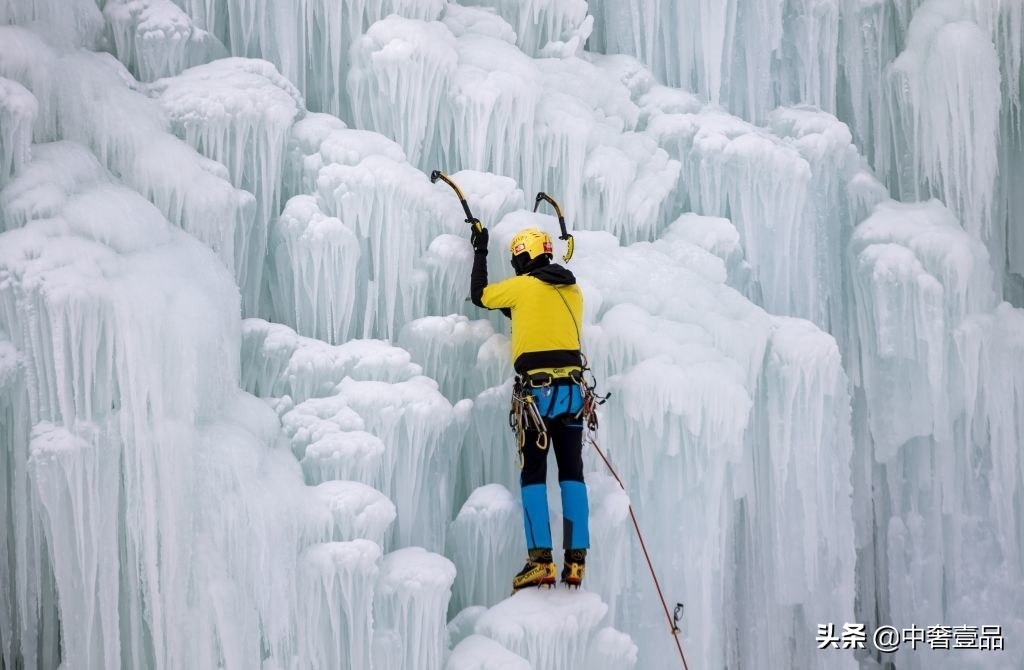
782,476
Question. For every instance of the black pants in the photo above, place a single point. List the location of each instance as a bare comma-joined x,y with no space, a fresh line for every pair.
565,438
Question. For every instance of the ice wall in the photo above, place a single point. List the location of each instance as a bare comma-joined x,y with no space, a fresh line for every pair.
347,255
238,112
794,189
155,38
88,98
928,321
18,109
557,112
110,394
362,411
748,57
309,40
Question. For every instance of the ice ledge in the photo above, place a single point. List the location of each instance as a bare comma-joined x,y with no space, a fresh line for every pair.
553,628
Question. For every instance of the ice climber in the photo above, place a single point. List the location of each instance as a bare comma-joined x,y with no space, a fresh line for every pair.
546,308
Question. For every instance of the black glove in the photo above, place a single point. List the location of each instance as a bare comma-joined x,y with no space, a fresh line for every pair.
478,238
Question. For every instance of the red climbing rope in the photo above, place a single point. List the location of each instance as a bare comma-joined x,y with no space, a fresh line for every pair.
650,566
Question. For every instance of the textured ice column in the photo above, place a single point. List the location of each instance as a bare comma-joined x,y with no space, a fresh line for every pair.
917,274
412,601
586,118
401,72
797,550
309,40
74,23
868,34
494,95
337,581
557,28
490,454
238,112
362,179
842,193
483,20
352,454
90,291
90,99
18,109
155,38
276,362
611,535
422,433
477,652
549,628
733,169
29,625
794,191
719,237
485,544
941,466
396,213
989,350
943,99
447,347
314,271
76,481
447,262
749,56
356,511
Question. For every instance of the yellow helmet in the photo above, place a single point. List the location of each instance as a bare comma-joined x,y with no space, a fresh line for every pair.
531,241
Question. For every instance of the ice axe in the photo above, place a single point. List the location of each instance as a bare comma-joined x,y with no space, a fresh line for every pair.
470,219
569,245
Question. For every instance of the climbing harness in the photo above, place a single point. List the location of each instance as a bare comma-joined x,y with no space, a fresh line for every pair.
543,396
470,219
565,236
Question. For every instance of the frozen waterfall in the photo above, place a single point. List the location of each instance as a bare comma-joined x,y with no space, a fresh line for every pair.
249,418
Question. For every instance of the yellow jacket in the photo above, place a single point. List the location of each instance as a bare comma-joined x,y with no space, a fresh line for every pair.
547,318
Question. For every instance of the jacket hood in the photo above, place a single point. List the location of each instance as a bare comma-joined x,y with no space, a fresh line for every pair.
553,273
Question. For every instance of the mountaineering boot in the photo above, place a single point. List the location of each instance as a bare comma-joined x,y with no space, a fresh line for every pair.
538,571
575,566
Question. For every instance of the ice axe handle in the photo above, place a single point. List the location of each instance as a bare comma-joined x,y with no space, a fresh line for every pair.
470,219
570,245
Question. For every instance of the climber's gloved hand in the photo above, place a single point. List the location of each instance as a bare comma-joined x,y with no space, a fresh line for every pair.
479,238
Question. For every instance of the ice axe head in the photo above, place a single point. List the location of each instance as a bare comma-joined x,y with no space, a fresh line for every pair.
434,176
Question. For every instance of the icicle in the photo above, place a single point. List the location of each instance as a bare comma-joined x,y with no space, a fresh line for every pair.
411,601
943,100
18,109
356,511
238,112
76,481
447,347
484,543
420,429
319,295
278,363
401,70
155,38
90,99
337,586
557,28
